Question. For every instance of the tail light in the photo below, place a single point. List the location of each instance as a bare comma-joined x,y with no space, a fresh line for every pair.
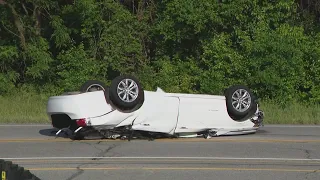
81,122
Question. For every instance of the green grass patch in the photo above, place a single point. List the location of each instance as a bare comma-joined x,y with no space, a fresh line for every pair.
23,108
31,108
291,113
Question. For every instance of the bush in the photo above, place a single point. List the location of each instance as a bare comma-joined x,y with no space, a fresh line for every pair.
194,46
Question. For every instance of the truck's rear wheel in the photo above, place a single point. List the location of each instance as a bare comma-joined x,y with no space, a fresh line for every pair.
126,92
240,101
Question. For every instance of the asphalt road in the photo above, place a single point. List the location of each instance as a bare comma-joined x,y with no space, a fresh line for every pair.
275,152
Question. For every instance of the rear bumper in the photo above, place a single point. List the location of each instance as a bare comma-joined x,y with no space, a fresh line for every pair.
78,106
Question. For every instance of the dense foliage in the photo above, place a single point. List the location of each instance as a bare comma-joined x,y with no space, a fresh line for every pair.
194,46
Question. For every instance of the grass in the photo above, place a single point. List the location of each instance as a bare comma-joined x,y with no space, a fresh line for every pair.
31,108
23,108
293,113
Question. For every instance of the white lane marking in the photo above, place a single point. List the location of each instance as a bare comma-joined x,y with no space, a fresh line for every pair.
200,158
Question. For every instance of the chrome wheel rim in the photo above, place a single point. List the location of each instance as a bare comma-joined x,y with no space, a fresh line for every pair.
127,90
95,87
241,100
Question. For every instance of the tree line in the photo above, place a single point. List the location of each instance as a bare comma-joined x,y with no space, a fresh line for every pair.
191,46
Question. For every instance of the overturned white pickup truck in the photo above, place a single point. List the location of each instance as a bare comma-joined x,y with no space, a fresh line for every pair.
125,108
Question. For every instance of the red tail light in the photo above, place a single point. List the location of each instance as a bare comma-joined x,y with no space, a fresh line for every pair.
81,122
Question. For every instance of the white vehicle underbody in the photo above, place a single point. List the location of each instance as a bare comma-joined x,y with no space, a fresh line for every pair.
163,114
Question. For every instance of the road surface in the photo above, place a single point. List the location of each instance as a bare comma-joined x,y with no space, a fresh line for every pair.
275,152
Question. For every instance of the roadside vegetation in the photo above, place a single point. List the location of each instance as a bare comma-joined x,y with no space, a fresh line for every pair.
291,113
23,108
193,46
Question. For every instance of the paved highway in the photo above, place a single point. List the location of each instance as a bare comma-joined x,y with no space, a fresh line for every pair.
275,152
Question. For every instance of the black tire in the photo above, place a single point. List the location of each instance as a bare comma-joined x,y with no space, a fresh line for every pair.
247,116
117,100
11,171
234,112
93,85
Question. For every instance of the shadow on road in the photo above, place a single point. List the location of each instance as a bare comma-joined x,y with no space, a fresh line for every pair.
262,131
52,133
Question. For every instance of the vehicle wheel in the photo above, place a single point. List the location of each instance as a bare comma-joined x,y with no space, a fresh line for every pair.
93,85
240,101
126,92
12,171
